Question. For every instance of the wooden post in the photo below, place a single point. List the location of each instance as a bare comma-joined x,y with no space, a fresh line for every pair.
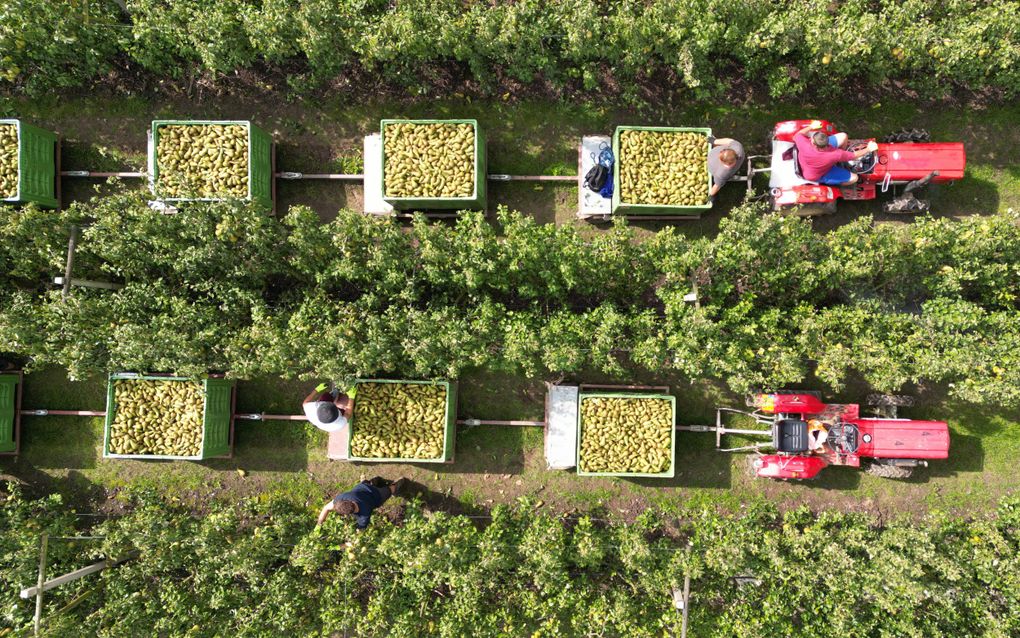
43,542
687,597
71,244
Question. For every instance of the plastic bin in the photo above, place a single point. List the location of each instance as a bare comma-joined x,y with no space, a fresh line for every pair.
448,435
475,201
10,412
37,165
217,438
626,395
260,161
626,208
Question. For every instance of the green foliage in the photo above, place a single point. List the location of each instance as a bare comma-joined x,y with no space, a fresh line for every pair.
57,44
223,286
701,47
259,567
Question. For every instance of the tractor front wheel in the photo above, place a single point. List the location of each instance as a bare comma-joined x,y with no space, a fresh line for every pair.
877,468
909,135
899,400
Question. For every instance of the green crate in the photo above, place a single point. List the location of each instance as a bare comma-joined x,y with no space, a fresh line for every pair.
628,395
37,165
9,409
260,161
448,436
216,440
625,208
476,201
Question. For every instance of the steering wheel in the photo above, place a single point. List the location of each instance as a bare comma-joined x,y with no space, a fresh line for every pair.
863,164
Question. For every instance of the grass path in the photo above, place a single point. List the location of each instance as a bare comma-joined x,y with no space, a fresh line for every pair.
499,464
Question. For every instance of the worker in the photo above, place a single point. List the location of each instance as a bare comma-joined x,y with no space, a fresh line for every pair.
724,159
818,433
328,410
361,500
819,155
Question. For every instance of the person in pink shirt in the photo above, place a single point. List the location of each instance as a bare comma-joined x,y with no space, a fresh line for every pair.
819,155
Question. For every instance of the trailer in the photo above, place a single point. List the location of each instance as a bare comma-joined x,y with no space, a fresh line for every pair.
380,198
342,443
38,165
564,427
219,397
261,170
594,149
11,384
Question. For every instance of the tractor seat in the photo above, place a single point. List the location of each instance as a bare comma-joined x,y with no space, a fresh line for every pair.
796,165
790,435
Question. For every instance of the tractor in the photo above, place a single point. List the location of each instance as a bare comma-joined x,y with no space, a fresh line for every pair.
807,435
904,163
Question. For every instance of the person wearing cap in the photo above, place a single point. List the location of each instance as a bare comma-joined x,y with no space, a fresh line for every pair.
724,160
819,155
328,410
361,500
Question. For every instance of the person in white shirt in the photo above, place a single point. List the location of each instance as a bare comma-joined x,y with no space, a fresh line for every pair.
328,411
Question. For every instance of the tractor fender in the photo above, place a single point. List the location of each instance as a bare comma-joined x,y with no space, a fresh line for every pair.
781,466
785,130
788,403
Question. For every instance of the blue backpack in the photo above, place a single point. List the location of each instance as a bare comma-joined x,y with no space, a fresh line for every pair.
600,177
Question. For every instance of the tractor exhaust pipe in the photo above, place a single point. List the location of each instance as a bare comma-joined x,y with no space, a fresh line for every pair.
903,462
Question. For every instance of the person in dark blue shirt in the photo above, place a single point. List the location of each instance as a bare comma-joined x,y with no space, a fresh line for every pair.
361,500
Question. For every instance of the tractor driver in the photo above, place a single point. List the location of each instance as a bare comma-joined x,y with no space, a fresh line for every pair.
723,162
328,410
819,155
818,433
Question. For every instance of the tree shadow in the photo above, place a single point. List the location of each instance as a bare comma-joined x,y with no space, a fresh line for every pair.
325,197
838,478
433,500
275,446
75,487
487,449
60,442
538,200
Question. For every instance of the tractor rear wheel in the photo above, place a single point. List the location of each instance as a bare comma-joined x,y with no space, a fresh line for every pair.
907,205
909,135
812,210
885,470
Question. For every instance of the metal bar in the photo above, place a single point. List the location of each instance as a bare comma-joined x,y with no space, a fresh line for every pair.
270,417
85,283
43,543
495,177
63,413
72,243
601,386
429,215
338,176
76,574
102,174
502,177
746,447
492,422
721,430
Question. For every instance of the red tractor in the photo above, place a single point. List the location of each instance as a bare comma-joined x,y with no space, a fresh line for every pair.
904,162
808,435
